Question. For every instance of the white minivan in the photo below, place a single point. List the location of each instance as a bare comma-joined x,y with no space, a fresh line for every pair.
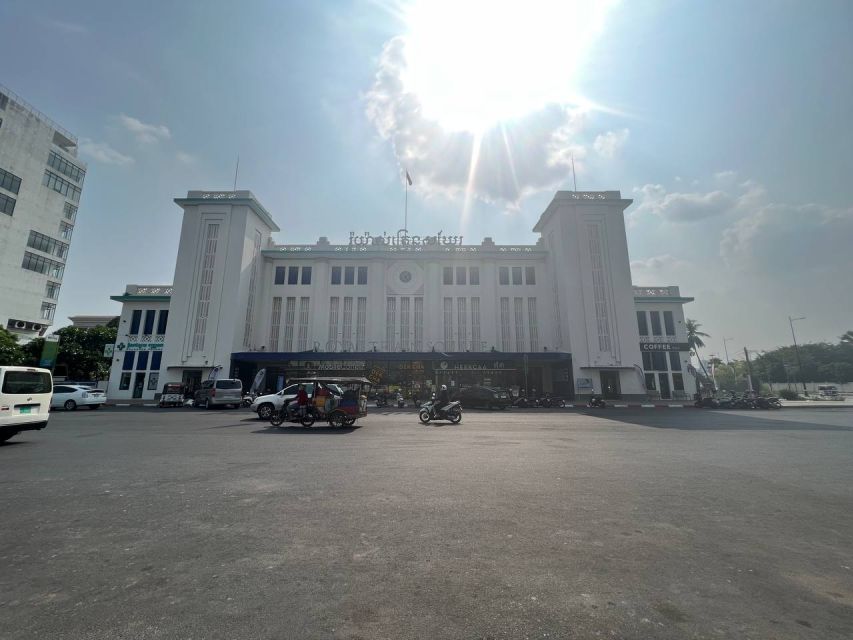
25,394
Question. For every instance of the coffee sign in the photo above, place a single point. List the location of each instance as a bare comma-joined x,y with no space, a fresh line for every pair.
664,346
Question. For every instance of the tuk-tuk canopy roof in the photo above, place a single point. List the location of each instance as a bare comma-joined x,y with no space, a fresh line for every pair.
171,387
329,380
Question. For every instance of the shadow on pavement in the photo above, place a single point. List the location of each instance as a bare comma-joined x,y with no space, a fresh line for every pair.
700,420
297,430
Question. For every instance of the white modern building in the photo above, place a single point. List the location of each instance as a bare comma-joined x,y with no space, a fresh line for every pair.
406,309
41,180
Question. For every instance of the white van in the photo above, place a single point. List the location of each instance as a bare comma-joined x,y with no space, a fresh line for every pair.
25,394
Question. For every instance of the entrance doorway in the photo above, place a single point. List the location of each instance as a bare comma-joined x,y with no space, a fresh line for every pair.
610,388
665,391
191,380
138,384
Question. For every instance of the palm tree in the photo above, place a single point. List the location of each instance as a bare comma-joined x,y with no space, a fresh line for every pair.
694,339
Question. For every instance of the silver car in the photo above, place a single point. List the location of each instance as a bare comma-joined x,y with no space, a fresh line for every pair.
219,393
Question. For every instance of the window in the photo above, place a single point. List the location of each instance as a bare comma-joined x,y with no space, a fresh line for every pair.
302,340
65,230
205,288
142,361
70,211
66,168
678,382
275,323
516,275
148,327
306,275
40,264
651,382
51,290
532,324
658,361
530,275
461,322
7,204
647,361
127,365
519,323
405,317
655,316
346,334
153,379
41,242
419,324
668,323
279,275
505,346
474,275
61,185
293,275
47,309
135,320
289,321
349,275
642,323
334,303
9,181
447,275
360,324
476,344
674,361
124,383
156,359
448,324
26,382
503,275
390,320
162,321
336,275
362,275
461,275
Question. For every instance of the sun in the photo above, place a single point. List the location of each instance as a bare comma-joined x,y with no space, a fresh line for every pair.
475,63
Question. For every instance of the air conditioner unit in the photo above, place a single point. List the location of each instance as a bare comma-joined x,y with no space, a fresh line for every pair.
35,327
19,324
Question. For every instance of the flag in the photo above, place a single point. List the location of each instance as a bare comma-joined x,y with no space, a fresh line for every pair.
408,178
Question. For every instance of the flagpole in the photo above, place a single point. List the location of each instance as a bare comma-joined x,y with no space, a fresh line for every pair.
406,210
574,175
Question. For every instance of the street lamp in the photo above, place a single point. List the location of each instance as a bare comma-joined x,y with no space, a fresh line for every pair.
797,351
726,348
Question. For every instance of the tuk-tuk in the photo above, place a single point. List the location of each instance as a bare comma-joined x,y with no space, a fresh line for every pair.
339,400
173,395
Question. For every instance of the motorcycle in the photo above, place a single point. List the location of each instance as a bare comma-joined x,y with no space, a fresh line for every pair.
285,415
707,403
401,402
431,411
248,399
381,401
596,402
547,402
522,402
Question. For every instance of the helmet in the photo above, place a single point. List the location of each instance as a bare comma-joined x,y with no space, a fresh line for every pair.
444,387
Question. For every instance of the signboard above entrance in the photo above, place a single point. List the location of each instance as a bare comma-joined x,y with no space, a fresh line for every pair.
403,239
664,346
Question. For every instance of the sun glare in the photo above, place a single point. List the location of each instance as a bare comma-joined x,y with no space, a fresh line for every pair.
474,63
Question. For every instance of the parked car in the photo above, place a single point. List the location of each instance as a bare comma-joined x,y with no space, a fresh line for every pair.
71,396
219,393
24,400
478,396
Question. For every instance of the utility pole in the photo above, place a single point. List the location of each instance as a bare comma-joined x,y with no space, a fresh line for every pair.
797,351
748,369
726,348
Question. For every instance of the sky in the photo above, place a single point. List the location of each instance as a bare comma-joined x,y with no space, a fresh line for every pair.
727,123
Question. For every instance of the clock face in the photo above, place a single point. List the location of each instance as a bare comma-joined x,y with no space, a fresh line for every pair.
405,276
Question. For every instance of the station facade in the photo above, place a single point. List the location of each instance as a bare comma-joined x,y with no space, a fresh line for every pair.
407,311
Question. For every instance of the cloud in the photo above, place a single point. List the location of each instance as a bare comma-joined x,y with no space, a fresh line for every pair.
693,206
658,270
519,157
146,133
609,144
67,27
186,158
103,153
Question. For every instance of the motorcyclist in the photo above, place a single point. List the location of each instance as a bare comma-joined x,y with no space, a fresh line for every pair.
300,402
442,400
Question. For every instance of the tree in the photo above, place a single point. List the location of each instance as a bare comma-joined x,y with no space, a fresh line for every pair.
10,351
81,351
113,324
847,338
694,339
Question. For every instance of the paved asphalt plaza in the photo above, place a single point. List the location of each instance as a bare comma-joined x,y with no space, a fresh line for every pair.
142,523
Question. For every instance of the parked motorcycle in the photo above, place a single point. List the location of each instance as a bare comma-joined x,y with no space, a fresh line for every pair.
306,419
707,403
547,402
431,411
596,402
248,399
522,402
381,401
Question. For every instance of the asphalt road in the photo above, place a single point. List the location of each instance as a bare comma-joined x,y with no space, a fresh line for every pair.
674,523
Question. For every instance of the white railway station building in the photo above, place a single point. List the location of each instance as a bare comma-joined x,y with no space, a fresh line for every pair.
406,310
